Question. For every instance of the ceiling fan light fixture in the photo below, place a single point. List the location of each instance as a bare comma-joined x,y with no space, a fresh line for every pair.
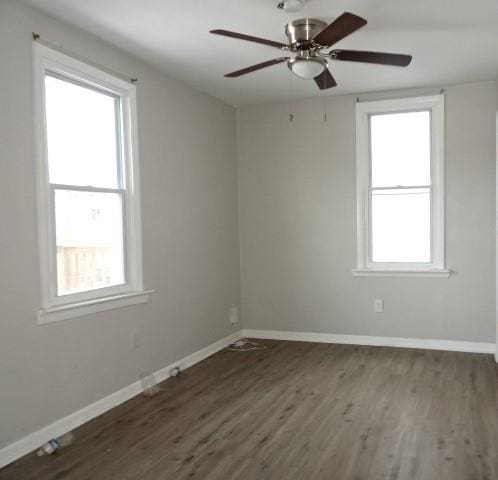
307,67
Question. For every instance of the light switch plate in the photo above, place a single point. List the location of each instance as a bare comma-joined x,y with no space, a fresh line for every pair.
378,305
234,315
135,340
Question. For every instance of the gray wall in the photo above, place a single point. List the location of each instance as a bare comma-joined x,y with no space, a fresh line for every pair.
189,201
297,216
496,231
297,227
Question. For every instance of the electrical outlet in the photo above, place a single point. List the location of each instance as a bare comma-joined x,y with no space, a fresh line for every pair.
378,305
234,315
135,340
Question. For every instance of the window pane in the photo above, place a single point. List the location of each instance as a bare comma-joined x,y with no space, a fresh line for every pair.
401,149
89,236
401,225
82,135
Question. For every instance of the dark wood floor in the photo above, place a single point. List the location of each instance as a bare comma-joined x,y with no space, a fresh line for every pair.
297,411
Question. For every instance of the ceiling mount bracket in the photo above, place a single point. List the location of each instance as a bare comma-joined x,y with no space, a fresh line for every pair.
291,5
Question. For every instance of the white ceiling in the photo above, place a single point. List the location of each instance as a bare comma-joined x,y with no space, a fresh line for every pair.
452,41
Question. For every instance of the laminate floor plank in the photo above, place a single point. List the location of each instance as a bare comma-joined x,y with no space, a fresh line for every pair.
295,411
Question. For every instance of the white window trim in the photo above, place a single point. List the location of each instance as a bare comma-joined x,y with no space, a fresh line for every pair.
365,267
78,304
80,309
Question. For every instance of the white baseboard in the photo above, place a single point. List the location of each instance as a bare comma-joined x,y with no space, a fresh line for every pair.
427,344
32,441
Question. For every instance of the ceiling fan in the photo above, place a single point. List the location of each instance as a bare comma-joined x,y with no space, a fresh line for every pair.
308,38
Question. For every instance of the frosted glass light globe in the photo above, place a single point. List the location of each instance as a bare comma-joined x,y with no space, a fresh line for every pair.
307,68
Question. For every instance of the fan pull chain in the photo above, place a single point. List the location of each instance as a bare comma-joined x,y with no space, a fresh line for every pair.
325,106
291,99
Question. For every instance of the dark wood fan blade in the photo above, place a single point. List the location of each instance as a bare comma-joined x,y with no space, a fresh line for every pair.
341,27
381,58
259,66
249,38
325,80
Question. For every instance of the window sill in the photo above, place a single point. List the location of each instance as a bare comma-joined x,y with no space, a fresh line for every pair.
80,309
441,273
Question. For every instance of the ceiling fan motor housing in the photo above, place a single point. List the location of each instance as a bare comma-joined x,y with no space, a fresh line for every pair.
300,32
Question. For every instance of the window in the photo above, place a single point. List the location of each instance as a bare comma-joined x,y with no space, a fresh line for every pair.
400,186
89,212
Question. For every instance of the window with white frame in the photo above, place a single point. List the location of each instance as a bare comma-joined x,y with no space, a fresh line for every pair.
400,186
89,210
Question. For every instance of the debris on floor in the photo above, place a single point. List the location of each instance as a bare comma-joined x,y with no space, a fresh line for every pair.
55,444
149,384
244,345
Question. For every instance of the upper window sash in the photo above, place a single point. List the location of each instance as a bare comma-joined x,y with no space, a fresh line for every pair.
51,62
83,178
364,112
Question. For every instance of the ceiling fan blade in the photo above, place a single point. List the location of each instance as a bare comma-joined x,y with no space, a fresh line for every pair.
380,58
250,38
258,66
341,27
325,80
